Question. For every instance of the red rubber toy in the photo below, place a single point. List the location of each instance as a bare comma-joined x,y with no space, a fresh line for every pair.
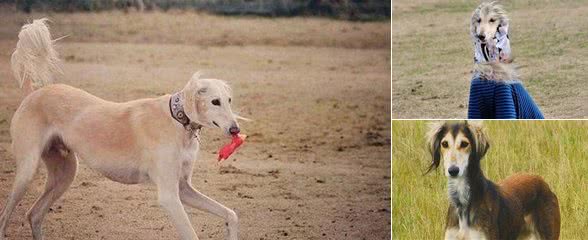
228,149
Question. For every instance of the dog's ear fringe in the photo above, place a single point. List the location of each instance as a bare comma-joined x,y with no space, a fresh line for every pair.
197,75
479,132
431,137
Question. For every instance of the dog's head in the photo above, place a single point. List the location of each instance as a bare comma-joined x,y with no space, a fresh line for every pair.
208,103
486,21
460,145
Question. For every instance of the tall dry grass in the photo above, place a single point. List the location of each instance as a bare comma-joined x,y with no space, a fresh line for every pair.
556,150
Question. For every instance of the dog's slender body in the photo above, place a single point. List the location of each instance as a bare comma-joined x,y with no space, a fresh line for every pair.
132,142
519,207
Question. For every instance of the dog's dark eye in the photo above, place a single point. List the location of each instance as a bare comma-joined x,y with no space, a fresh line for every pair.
216,102
229,100
464,144
444,144
479,20
492,20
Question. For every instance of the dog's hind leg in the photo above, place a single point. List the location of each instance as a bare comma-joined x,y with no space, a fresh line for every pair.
61,166
546,216
27,152
193,198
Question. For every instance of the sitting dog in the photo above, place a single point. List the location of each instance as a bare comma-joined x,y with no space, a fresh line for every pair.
147,140
519,206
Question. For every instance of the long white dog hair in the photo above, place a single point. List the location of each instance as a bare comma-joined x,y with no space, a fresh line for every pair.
489,32
35,61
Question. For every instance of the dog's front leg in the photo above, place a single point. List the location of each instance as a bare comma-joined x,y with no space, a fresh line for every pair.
169,199
193,198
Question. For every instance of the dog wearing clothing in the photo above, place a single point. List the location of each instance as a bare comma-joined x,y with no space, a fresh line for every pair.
495,91
147,140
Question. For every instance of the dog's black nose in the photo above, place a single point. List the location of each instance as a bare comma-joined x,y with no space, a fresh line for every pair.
453,171
481,37
234,130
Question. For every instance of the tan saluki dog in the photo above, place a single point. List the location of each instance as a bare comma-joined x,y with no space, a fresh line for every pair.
147,140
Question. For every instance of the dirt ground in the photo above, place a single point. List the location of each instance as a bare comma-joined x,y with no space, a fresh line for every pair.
316,165
433,55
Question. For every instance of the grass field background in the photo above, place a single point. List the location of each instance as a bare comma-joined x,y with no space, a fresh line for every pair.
555,150
432,56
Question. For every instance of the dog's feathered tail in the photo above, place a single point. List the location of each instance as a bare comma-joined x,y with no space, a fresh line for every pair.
35,61
497,71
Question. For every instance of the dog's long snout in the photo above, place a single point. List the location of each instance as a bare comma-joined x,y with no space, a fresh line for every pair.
453,171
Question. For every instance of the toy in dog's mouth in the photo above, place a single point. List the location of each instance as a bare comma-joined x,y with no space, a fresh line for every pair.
228,149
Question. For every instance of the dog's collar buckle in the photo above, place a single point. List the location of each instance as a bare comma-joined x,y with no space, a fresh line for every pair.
176,108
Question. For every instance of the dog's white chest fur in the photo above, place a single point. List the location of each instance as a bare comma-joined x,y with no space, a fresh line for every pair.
187,155
464,234
465,231
458,189
190,148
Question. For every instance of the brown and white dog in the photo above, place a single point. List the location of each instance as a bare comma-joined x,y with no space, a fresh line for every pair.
520,206
147,140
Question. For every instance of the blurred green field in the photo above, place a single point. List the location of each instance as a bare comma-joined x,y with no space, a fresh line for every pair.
556,150
433,55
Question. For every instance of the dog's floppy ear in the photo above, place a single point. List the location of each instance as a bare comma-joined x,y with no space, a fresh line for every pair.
195,84
202,90
192,96
475,15
478,132
434,135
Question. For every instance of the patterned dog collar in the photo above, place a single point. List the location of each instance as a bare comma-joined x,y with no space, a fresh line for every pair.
176,108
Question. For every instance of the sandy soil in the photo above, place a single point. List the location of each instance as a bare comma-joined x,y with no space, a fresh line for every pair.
316,165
